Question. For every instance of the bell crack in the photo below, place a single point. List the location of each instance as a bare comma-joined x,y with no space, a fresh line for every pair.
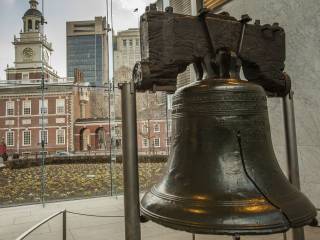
253,181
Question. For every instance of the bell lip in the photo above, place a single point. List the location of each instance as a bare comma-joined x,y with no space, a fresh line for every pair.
214,230
223,229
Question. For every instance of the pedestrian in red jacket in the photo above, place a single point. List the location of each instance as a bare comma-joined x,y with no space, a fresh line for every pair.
3,150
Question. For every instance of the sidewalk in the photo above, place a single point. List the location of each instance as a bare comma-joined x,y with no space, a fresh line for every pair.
14,221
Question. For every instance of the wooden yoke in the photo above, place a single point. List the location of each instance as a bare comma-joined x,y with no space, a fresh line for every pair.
170,42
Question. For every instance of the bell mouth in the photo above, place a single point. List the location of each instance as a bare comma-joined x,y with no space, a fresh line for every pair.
216,219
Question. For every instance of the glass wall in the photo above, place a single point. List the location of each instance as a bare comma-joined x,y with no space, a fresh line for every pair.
60,107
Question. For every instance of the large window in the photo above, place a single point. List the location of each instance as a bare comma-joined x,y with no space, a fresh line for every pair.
43,136
10,108
156,127
60,136
43,108
10,138
145,142
156,142
145,128
26,135
25,76
26,105
60,106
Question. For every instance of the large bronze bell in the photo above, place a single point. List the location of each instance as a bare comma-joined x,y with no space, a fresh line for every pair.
222,175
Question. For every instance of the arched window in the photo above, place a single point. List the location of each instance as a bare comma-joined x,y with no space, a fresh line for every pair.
37,24
24,26
29,24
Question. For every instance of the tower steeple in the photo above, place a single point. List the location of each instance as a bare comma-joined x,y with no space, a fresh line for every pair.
33,4
32,17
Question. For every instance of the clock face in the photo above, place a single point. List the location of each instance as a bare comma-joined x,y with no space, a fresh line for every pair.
28,52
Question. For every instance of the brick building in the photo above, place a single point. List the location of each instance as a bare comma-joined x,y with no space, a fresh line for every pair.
94,134
22,115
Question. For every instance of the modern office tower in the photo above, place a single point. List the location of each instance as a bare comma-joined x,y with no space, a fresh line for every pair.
87,50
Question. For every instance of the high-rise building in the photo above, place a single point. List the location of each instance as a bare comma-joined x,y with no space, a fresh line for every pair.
87,50
32,50
126,53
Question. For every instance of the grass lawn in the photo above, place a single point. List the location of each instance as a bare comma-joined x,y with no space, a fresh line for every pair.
20,186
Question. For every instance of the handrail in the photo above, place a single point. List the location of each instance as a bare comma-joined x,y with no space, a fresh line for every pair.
29,231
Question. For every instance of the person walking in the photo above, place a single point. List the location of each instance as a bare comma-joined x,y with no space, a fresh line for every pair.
3,150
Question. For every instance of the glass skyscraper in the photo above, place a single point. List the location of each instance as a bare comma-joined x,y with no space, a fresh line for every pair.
87,50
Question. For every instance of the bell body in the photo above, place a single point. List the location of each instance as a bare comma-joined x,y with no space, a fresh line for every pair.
222,175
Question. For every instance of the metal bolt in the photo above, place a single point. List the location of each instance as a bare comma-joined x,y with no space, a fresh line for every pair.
153,7
245,18
169,9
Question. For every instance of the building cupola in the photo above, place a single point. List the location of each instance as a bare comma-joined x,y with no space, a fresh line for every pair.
32,18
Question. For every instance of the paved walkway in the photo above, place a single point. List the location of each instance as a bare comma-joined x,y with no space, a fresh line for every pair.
16,220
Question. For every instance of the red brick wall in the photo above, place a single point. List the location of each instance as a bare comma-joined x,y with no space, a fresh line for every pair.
35,126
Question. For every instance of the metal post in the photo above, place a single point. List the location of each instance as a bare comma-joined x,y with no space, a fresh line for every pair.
236,237
292,151
130,163
64,225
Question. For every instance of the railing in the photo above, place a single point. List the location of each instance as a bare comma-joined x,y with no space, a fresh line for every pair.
64,222
64,225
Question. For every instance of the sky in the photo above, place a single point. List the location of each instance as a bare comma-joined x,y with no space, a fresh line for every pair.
57,13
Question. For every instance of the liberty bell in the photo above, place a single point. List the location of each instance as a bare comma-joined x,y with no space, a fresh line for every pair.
222,176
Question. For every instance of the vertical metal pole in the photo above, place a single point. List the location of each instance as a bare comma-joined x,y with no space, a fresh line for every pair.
64,225
130,163
236,237
292,151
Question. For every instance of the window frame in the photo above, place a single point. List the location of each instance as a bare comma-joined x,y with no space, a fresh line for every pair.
23,137
57,137
13,138
156,128
145,128
25,78
24,103
145,144
46,104
154,142
57,106
47,136
7,108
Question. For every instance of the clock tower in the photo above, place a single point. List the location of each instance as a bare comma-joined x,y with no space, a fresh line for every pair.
32,50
